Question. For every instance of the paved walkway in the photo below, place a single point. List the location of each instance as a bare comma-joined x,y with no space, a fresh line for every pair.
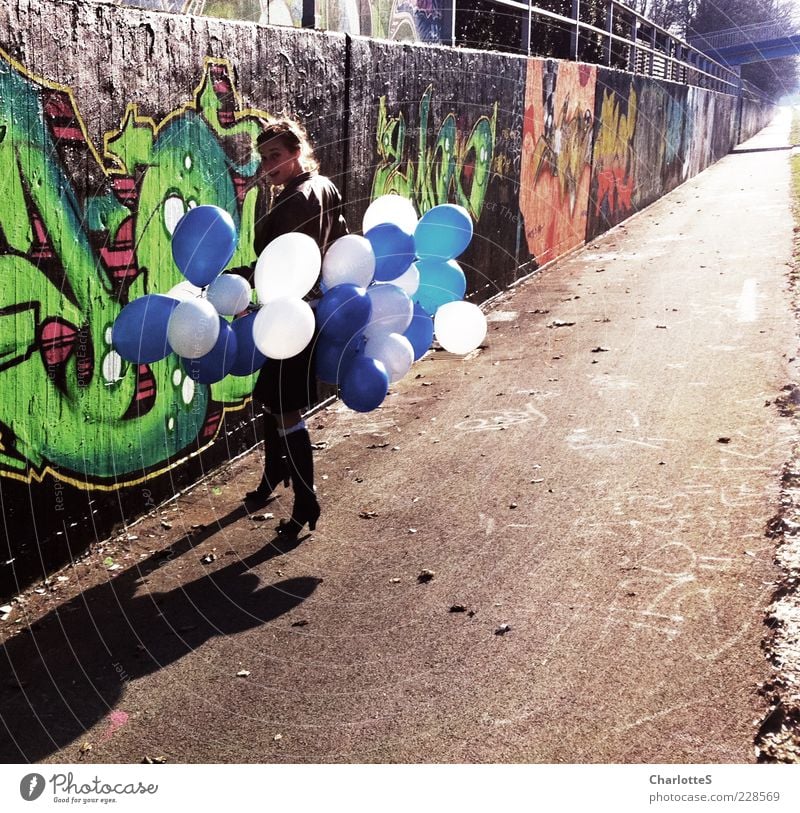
598,479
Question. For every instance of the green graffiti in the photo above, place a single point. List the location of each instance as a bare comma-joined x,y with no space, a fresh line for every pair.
454,169
72,256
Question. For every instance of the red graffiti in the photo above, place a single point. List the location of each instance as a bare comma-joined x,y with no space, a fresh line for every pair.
615,187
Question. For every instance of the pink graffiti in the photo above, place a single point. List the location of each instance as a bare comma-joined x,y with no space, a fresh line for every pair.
116,720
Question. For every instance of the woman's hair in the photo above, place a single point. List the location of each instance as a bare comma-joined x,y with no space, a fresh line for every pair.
292,135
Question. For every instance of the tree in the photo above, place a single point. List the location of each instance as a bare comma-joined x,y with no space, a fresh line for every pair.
672,15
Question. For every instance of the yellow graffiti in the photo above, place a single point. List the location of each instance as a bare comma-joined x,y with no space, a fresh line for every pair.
615,138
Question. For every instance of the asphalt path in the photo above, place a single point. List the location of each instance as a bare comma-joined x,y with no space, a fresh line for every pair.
589,492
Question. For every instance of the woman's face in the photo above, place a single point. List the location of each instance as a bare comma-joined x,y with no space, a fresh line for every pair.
280,163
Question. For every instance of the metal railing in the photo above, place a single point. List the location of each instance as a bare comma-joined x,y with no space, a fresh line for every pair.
743,35
625,39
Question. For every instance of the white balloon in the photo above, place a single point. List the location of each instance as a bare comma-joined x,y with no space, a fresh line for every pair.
459,327
283,327
392,310
229,294
193,328
185,290
408,280
349,259
390,209
394,350
288,267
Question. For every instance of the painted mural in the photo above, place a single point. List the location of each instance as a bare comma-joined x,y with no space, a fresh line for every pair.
658,140
556,156
455,167
700,137
613,158
82,234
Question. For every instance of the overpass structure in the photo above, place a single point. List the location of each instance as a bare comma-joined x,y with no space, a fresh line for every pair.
759,42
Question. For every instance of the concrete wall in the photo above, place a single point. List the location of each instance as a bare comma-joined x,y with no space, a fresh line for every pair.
113,121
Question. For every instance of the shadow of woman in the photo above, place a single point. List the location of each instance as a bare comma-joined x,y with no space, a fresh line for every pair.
66,672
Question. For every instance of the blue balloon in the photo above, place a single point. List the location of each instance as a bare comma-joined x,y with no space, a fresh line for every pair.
333,358
203,243
343,312
248,357
217,363
420,331
443,232
364,384
393,248
139,333
440,282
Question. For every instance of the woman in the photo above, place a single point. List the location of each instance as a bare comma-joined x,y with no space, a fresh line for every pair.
311,204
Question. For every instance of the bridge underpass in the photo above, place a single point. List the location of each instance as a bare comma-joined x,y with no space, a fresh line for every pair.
747,44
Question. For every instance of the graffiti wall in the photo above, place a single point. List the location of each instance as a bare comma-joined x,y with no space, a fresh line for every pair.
110,135
556,156
651,135
613,156
95,179
445,127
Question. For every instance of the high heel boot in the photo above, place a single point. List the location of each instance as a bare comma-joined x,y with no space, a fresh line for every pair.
275,466
306,509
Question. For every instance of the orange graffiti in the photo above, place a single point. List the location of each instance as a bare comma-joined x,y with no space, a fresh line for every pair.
556,156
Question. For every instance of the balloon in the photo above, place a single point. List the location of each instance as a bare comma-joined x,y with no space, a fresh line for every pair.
444,232
408,280
217,363
283,327
185,290
139,333
248,357
193,328
394,351
229,294
332,358
394,250
203,243
364,384
390,209
349,259
420,332
392,310
288,267
440,281
343,311
460,327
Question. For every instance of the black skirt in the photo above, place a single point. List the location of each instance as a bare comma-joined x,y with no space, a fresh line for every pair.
289,384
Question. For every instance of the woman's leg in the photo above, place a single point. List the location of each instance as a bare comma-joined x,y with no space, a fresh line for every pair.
300,458
275,466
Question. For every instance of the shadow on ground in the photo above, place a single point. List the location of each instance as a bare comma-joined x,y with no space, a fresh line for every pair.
64,673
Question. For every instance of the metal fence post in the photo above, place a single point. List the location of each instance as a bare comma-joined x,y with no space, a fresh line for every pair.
448,29
653,43
526,30
576,33
609,43
308,18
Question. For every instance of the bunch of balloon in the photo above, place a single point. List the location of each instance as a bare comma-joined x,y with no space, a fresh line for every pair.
388,293
189,319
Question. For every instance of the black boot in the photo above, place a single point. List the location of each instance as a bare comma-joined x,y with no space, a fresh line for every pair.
275,465
301,465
